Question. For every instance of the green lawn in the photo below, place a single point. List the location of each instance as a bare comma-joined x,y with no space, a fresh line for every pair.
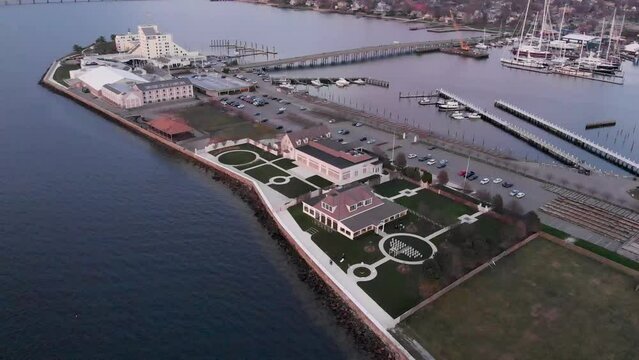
265,172
62,73
319,181
294,188
542,302
435,207
285,164
393,187
412,224
234,157
265,155
361,249
247,166
222,124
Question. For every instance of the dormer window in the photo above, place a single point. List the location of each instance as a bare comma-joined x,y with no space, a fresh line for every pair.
352,208
368,201
327,207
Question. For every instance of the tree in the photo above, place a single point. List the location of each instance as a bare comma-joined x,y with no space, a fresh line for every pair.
483,195
532,222
400,160
112,37
77,48
427,177
101,39
412,172
432,269
515,208
442,178
498,204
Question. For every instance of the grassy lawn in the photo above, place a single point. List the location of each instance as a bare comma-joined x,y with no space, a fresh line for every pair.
285,164
411,224
542,302
265,155
62,73
294,188
394,290
362,249
319,181
253,164
236,157
393,187
265,172
222,124
436,207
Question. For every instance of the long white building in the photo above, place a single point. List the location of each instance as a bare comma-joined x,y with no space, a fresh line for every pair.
149,43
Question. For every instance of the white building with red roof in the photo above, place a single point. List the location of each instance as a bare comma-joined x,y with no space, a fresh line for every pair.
353,210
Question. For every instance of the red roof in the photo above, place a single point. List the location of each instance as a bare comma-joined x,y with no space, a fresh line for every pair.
169,126
345,197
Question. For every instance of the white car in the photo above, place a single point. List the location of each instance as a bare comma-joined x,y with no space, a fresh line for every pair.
241,106
484,181
497,180
358,124
340,131
371,141
514,192
412,156
520,195
281,109
431,162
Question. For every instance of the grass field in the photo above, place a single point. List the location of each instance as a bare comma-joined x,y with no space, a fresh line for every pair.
224,125
265,172
542,302
319,181
285,164
393,187
436,207
253,164
411,224
62,73
294,188
237,157
263,154
362,249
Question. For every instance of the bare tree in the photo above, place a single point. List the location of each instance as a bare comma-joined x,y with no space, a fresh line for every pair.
515,208
400,160
442,178
483,195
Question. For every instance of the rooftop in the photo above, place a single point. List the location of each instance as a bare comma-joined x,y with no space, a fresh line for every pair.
164,84
303,136
210,82
170,126
101,75
335,153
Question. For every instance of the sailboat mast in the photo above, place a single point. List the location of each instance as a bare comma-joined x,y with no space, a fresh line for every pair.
623,21
603,25
523,28
543,23
561,24
612,26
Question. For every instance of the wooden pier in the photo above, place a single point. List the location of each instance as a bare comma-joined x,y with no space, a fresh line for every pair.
355,55
520,133
417,95
596,149
330,81
600,124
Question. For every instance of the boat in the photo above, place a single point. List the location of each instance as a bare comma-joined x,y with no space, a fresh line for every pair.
342,82
458,115
317,83
482,45
359,82
449,105
525,64
473,115
424,101
287,86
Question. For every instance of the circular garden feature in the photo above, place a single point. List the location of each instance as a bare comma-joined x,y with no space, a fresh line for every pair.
406,248
237,157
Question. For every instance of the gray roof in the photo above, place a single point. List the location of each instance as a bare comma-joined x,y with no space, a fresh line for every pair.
338,162
113,89
373,216
149,30
156,85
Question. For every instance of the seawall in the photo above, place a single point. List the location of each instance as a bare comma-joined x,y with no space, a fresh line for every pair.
370,338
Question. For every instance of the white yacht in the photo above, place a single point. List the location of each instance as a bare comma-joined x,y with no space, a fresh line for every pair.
457,115
359,82
449,105
287,86
473,115
342,82
424,101
317,83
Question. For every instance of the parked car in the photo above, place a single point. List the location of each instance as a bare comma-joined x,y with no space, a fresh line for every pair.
240,106
462,173
340,131
422,159
431,162
520,195
513,192
432,147
412,156
346,132
280,127
363,139
484,181
441,165
469,174
331,121
257,114
506,184
371,141
472,177
280,112
497,180
264,120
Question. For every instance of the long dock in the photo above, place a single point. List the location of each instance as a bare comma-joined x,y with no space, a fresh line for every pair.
356,55
596,149
243,48
330,80
520,133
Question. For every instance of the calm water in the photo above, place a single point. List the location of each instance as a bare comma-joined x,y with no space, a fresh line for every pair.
111,247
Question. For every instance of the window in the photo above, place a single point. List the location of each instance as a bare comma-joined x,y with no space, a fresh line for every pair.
352,208
327,207
368,202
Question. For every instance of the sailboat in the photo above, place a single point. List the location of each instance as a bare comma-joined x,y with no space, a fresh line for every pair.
342,82
482,45
525,54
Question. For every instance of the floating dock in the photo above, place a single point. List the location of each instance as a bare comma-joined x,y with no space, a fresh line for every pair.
600,124
330,81
596,149
520,133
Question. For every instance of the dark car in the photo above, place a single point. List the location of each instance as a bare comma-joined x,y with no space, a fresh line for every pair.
422,159
289,131
280,127
441,165
469,174
279,112
432,147
339,140
346,132
257,114
506,184
473,177
264,120
363,139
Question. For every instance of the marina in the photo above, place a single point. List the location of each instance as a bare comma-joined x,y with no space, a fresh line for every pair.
604,153
520,133
235,48
325,81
